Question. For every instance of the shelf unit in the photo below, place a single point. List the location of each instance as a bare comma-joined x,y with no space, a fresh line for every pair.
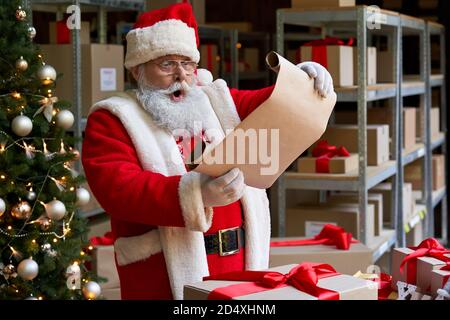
101,7
393,25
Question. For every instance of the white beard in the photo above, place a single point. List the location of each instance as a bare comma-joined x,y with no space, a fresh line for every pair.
193,113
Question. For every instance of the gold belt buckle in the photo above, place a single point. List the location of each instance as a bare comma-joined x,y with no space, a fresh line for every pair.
227,253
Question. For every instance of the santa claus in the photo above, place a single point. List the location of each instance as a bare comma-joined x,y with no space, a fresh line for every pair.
173,226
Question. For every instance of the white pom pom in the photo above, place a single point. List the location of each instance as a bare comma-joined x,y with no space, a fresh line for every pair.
204,77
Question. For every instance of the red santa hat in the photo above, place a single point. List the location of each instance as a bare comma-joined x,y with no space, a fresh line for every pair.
157,33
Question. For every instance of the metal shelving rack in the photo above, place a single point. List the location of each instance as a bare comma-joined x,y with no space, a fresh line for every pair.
101,7
355,20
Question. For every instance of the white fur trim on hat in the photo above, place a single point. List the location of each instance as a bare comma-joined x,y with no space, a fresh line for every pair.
166,37
196,216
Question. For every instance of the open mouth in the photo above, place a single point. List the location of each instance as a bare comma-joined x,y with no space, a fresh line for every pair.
177,95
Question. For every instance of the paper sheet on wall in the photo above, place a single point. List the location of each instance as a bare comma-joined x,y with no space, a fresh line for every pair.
276,133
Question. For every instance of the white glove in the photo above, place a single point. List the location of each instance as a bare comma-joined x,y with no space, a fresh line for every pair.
223,190
323,82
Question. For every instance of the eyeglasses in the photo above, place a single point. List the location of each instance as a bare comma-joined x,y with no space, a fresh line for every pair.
169,66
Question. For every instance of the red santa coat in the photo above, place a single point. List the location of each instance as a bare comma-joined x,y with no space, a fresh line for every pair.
157,216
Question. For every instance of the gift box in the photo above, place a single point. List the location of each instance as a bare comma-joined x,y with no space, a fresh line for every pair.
210,59
346,258
102,71
336,164
307,281
347,136
373,198
416,234
371,61
414,174
336,57
385,66
307,4
307,221
409,204
438,280
425,266
60,34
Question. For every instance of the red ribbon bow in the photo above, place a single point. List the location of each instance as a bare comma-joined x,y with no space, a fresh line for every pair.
303,277
105,240
319,48
330,235
427,248
324,152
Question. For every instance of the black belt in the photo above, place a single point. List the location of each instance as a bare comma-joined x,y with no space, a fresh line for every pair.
225,242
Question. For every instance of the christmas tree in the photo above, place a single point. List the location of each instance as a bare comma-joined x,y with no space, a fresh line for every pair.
43,241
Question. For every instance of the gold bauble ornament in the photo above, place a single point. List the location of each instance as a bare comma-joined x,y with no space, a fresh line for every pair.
21,14
21,64
21,211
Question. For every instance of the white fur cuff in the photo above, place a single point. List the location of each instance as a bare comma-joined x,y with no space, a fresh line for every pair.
133,249
196,216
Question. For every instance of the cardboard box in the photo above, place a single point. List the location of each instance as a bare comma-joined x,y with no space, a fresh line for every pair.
60,34
210,59
339,63
371,65
111,294
348,287
307,221
425,266
414,174
336,164
104,265
415,235
357,258
293,55
398,254
306,4
376,199
376,116
409,204
435,122
438,280
102,71
385,66
347,136
251,58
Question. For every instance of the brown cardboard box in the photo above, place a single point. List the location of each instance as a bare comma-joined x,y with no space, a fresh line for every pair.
347,136
336,164
413,173
307,221
415,235
408,201
104,265
385,66
293,55
398,254
339,63
210,59
357,258
371,65
85,33
435,122
306,4
438,280
425,266
373,198
348,287
102,71
111,294
251,58
384,116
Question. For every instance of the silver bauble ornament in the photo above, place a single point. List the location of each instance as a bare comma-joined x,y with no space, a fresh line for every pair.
65,119
2,207
31,32
28,269
21,14
22,125
21,211
83,197
91,290
47,74
21,64
31,195
55,209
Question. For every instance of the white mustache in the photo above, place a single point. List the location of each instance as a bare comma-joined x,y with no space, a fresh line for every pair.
175,87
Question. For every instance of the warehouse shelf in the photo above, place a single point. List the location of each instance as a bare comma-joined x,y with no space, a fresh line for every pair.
53,5
438,141
374,92
435,79
345,181
411,88
413,153
382,243
438,195
418,215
